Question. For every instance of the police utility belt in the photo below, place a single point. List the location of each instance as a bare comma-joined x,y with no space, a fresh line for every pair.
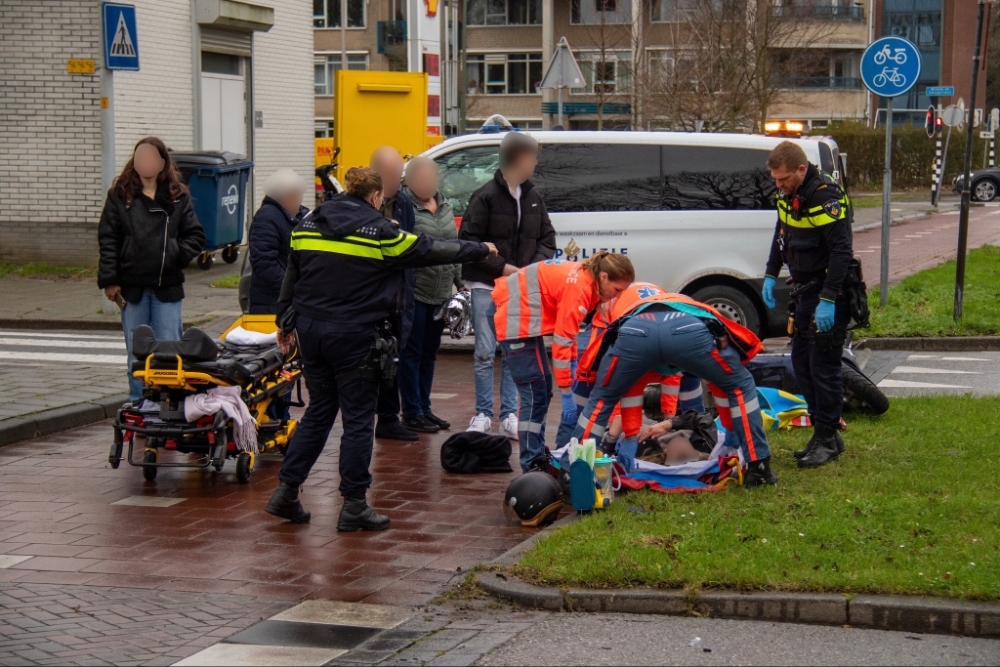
380,364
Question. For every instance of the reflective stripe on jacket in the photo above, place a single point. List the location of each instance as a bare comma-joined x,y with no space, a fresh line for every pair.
550,297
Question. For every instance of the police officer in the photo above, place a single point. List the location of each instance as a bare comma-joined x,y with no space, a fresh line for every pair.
344,275
813,237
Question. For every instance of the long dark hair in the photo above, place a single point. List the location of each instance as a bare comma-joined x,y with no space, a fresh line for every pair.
129,184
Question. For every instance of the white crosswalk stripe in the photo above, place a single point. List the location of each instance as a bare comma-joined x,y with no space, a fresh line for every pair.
53,348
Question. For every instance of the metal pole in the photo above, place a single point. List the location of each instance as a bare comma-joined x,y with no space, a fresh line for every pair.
343,34
944,159
992,154
463,74
886,196
963,217
559,89
936,175
108,171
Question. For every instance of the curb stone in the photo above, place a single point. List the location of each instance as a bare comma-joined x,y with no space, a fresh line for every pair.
881,612
942,344
47,422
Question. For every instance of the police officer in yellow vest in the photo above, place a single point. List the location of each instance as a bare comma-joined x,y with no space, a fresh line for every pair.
813,237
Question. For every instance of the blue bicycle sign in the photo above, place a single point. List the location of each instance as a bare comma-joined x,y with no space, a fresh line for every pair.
890,66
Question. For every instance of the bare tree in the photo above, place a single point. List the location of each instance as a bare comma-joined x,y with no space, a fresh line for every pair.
606,39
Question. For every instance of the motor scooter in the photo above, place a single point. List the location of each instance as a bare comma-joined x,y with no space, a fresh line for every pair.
326,175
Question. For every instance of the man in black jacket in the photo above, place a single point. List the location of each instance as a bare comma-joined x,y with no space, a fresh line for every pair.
271,236
341,284
508,212
813,237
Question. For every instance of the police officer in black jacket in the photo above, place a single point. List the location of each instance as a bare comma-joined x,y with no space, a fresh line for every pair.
813,237
342,283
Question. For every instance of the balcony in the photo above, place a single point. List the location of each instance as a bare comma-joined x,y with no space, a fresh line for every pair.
391,34
851,13
823,82
585,108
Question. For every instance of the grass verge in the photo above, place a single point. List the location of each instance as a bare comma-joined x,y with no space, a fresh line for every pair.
229,282
43,270
922,304
910,508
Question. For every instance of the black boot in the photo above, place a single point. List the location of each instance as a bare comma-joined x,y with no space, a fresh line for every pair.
822,449
393,429
759,473
357,515
799,453
285,503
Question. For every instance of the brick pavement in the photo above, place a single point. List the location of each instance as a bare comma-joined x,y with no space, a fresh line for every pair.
45,624
56,496
922,243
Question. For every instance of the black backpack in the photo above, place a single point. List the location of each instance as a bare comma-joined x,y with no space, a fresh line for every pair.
471,452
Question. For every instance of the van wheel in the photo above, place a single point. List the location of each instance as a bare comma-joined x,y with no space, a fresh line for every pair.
733,303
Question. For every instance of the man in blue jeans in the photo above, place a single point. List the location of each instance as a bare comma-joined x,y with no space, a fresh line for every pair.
508,212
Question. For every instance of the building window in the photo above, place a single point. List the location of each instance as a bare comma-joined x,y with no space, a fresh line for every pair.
608,74
674,10
326,13
503,73
505,12
324,129
327,64
596,12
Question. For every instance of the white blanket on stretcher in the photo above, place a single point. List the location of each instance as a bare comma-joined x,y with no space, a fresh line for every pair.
228,400
241,336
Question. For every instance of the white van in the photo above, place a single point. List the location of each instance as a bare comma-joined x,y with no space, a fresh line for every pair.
694,212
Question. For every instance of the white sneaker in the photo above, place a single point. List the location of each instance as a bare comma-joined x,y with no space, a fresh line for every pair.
480,423
508,426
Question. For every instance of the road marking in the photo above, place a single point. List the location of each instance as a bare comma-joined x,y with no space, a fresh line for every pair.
903,384
46,334
149,501
864,251
39,342
965,359
64,358
913,236
333,612
245,654
7,561
921,356
931,371
441,397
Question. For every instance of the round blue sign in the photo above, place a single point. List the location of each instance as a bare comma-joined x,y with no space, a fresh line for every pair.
890,66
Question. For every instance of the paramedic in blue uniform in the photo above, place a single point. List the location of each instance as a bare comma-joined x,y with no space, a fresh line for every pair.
344,276
813,237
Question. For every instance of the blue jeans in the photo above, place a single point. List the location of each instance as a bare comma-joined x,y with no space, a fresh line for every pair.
529,366
416,363
164,318
483,310
660,337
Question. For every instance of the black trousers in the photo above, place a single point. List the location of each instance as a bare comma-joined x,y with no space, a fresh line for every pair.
326,355
818,368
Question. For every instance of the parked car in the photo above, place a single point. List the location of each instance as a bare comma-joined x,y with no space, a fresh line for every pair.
985,184
694,212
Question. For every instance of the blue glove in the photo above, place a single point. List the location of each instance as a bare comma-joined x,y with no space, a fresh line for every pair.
626,454
767,291
568,409
824,315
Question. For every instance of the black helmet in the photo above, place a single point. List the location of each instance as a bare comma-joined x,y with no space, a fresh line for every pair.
651,401
534,498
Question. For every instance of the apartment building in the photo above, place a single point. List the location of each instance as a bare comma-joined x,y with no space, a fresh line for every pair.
213,75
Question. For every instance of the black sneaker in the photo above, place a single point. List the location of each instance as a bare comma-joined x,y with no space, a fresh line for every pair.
823,447
285,504
434,419
357,515
759,473
799,453
420,424
394,430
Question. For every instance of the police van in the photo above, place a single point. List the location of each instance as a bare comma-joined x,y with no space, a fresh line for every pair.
694,212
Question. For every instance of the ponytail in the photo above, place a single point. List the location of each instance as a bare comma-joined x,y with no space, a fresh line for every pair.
617,266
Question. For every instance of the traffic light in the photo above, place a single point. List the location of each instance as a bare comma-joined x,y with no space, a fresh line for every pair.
931,124
939,124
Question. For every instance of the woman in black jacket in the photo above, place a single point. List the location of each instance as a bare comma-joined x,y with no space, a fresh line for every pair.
147,235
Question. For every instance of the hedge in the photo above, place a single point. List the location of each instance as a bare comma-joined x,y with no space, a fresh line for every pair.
912,155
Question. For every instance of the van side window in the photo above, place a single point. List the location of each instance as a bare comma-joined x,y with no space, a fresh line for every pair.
716,178
599,177
464,171
826,163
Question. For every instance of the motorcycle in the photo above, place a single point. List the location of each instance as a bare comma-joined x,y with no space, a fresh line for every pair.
325,174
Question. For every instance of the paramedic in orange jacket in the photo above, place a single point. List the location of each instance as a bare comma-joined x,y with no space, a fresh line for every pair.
550,298
666,333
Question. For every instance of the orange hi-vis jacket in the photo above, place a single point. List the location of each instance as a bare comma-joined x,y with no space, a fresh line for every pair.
550,297
586,370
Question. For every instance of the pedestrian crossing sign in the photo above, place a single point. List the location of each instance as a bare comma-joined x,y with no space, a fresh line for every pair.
121,47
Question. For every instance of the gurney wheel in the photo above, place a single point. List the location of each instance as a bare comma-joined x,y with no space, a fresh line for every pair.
243,469
219,466
149,472
115,458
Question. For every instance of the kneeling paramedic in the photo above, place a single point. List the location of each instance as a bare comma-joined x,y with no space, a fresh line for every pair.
550,298
340,288
813,237
664,333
